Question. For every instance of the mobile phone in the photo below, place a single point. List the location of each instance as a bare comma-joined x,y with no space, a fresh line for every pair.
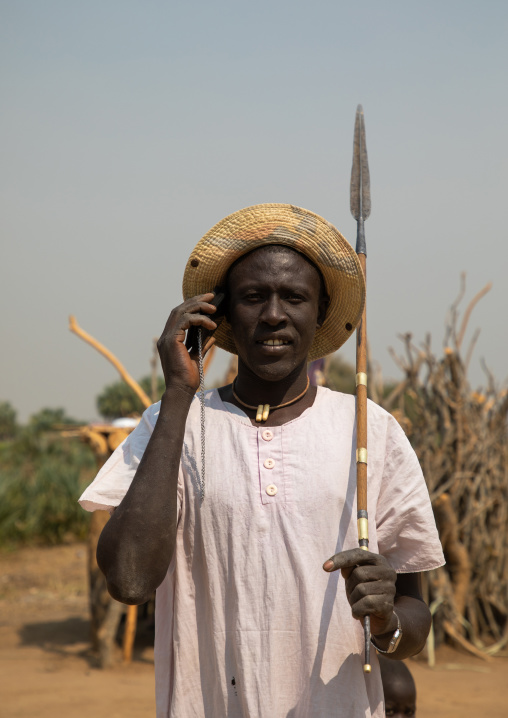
191,340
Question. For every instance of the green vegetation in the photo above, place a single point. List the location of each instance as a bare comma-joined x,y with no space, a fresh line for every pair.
118,399
8,426
340,375
42,474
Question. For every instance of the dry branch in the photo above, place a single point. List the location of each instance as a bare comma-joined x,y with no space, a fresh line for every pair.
74,327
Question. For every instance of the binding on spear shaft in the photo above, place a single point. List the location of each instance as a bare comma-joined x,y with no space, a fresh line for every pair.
360,209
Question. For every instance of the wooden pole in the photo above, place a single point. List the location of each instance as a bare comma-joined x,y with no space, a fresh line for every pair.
130,633
73,326
153,373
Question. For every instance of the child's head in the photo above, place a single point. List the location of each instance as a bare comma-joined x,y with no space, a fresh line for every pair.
399,688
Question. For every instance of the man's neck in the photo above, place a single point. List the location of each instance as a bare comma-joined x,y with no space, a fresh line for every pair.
254,390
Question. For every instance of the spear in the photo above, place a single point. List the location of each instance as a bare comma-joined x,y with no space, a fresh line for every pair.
360,209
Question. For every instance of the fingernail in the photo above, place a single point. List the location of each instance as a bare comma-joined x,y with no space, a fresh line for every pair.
328,565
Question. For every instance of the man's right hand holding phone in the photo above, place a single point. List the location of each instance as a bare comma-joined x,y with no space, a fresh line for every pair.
180,367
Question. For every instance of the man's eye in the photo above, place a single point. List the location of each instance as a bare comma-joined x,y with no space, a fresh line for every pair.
409,712
390,711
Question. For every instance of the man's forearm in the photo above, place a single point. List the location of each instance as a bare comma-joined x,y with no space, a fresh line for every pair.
137,544
415,620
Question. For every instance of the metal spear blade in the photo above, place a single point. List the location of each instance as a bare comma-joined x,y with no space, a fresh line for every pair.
360,179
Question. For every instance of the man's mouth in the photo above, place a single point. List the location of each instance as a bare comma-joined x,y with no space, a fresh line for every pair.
273,342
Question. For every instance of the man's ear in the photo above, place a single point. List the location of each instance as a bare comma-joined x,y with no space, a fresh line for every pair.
324,301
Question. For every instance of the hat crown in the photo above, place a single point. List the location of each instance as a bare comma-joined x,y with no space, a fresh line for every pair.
303,231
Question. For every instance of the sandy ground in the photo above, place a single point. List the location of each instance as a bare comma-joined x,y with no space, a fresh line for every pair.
47,669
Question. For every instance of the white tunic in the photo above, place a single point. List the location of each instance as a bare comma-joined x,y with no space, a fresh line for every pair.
248,625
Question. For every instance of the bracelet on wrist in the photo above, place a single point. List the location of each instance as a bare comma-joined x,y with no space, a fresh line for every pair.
394,640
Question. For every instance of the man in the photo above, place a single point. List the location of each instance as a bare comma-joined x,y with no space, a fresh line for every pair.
230,512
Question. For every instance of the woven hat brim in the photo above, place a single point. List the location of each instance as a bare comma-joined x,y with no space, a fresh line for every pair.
303,231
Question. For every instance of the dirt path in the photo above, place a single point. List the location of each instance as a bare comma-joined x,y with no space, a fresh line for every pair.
47,670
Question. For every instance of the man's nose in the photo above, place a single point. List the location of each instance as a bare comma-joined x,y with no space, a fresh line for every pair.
273,311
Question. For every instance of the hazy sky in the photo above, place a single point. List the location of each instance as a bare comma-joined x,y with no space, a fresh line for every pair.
129,128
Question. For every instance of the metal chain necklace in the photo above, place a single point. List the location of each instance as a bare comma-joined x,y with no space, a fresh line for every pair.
263,410
201,479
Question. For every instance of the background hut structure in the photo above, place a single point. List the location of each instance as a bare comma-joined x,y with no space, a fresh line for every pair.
459,436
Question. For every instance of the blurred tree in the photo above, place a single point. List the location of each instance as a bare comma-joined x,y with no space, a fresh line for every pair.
47,419
41,478
340,375
42,474
8,426
118,399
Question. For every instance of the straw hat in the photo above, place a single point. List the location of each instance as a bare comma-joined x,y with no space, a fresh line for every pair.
304,232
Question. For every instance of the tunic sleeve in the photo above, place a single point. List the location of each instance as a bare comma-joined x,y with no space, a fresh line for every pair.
114,478
406,529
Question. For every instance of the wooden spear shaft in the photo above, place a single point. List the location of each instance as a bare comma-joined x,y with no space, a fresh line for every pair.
361,450
360,209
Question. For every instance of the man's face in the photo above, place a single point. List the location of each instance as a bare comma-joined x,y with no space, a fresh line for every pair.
275,306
